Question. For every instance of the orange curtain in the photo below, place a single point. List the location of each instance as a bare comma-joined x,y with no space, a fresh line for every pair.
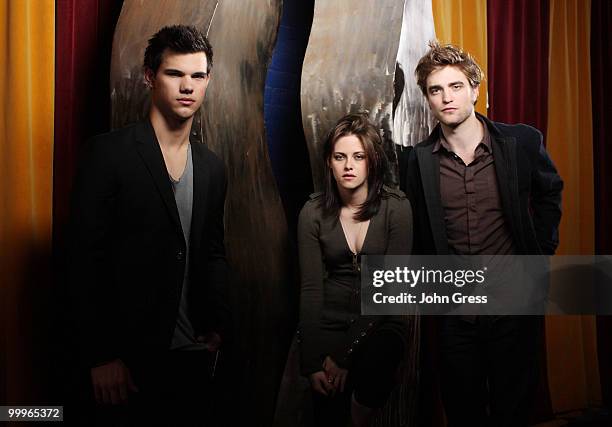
26,156
571,340
464,23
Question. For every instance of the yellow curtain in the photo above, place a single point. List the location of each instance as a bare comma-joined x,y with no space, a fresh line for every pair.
26,165
571,341
464,23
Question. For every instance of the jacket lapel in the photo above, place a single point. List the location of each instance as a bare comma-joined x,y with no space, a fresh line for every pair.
201,176
429,167
151,154
505,155
506,170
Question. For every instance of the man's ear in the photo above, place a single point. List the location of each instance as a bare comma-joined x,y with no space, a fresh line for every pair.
149,78
475,94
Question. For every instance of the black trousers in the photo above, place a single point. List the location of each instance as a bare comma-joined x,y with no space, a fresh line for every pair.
371,377
488,369
174,390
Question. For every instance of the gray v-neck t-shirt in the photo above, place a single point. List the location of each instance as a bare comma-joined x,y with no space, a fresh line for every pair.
184,338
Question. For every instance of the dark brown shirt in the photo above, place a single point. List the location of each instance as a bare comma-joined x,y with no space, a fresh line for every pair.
473,214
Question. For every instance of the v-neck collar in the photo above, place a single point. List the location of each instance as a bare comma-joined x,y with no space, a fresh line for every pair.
346,240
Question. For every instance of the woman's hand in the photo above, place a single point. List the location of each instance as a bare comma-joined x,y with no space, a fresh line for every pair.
320,384
336,376
330,379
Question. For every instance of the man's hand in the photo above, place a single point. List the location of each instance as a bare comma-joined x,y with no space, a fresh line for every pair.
212,341
111,382
335,375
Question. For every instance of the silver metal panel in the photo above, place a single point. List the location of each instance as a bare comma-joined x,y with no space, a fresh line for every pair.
412,120
243,34
349,67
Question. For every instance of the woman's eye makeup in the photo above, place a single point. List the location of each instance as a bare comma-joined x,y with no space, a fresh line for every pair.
357,156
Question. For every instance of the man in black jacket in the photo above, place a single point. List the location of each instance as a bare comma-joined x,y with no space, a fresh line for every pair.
480,188
148,268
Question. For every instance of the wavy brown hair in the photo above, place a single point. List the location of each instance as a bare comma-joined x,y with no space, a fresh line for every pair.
360,126
440,56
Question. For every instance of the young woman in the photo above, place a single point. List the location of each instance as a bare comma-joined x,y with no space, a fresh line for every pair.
350,360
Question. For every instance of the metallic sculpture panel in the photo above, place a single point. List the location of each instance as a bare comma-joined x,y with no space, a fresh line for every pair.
243,34
231,123
412,120
349,66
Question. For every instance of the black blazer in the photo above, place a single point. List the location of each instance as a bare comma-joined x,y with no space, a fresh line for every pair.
529,186
127,256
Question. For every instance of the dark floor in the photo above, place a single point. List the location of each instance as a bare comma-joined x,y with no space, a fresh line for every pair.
586,418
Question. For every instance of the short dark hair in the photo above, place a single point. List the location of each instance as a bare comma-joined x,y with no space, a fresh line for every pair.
440,56
360,126
179,39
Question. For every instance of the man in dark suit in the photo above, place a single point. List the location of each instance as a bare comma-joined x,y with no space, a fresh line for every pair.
148,267
480,188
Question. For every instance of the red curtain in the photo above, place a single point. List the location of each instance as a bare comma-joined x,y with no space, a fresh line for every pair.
601,65
518,93
84,35
518,61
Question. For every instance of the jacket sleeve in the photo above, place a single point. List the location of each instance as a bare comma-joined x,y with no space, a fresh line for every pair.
218,312
92,288
311,293
400,243
400,228
545,201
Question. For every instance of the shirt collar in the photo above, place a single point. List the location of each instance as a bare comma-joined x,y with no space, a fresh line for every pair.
485,142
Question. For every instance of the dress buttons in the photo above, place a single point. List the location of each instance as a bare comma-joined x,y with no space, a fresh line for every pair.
179,255
363,334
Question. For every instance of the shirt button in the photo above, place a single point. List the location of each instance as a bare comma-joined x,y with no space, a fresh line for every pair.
179,255
352,321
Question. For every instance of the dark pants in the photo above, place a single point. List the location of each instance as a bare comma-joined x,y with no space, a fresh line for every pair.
371,376
488,369
176,391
